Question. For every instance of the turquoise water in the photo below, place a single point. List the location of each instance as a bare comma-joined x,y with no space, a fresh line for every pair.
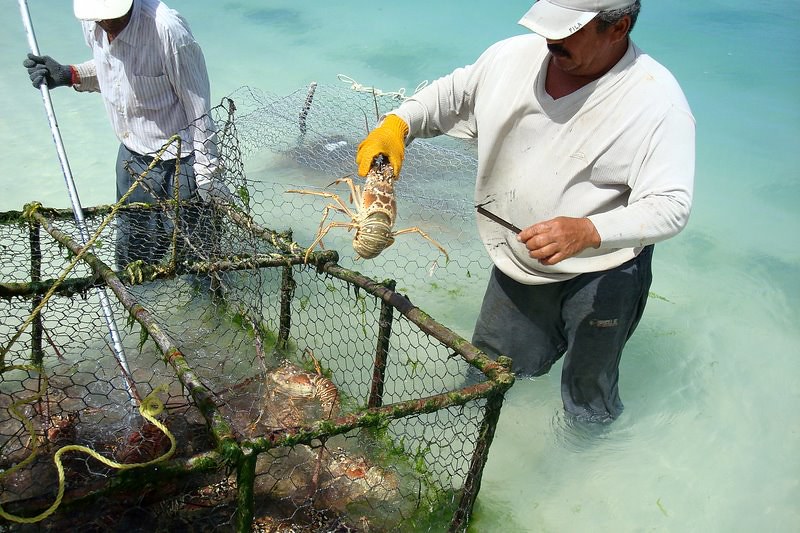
709,440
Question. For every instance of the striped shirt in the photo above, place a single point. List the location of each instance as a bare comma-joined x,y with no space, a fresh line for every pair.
154,83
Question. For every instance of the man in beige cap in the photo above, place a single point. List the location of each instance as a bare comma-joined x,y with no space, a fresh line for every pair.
585,142
152,75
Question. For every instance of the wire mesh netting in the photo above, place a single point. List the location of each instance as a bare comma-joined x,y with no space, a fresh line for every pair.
228,380
308,139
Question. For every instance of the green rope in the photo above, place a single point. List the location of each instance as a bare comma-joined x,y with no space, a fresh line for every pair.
29,211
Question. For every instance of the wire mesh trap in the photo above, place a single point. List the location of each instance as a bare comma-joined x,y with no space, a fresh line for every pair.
230,383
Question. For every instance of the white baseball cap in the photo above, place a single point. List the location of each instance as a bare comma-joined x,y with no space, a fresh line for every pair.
101,9
558,19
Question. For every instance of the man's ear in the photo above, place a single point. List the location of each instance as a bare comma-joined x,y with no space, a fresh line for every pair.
621,29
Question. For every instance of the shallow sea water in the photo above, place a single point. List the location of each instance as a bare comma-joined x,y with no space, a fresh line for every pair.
709,437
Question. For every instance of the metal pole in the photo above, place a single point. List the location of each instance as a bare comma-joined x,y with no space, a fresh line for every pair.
116,342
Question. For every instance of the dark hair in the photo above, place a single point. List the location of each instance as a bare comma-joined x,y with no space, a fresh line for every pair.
606,19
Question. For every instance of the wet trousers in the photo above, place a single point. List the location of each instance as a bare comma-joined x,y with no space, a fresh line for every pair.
587,320
146,235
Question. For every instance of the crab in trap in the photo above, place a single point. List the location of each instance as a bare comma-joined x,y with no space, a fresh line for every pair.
375,214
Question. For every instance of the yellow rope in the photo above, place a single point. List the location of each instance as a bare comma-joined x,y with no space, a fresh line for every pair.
25,422
149,408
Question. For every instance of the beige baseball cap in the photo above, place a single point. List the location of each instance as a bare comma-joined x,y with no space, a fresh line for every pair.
558,19
101,9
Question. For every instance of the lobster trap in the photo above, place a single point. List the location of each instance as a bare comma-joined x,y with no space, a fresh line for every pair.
234,383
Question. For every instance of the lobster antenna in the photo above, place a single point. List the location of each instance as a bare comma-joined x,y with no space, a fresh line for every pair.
366,121
375,101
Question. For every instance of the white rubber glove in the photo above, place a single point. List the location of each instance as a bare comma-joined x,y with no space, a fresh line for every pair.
213,190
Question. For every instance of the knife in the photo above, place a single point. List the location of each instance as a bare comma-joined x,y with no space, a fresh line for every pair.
488,214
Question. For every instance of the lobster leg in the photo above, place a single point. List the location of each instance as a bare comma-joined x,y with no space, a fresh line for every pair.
355,190
324,231
425,236
325,214
335,197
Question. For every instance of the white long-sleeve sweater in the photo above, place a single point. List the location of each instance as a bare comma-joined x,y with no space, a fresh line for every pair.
619,151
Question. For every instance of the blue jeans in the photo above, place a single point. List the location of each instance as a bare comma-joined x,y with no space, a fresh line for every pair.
147,234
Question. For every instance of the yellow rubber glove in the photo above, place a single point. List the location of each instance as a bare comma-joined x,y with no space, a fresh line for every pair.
388,139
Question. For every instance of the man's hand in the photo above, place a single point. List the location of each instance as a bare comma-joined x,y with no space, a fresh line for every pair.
46,69
388,139
213,190
554,240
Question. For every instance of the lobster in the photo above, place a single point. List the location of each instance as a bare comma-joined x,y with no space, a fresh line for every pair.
375,214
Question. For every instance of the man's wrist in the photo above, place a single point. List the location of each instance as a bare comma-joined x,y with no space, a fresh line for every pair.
74,77
594,236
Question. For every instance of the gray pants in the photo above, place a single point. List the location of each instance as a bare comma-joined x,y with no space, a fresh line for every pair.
147,235
587,320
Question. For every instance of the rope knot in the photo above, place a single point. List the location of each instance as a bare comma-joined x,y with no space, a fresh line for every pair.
29,209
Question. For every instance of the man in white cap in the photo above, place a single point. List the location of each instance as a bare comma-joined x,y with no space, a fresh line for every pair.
585,142
152,75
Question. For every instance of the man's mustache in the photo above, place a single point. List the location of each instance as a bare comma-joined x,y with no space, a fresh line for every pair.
558,50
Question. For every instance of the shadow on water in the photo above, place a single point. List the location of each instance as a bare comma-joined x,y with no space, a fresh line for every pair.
275,18
392,57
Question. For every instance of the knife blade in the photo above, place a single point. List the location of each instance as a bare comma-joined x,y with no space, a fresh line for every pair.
491,216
